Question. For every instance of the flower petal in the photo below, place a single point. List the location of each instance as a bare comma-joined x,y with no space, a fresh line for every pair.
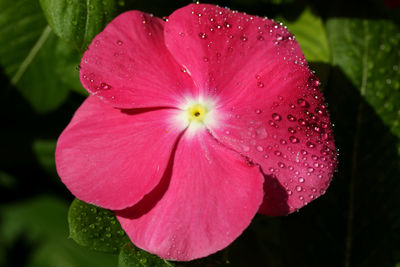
286,130
207,199
128,65
226,51
112,158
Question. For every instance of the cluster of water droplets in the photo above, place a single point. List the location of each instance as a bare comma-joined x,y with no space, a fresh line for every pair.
228,34
118,63
100,225
292,138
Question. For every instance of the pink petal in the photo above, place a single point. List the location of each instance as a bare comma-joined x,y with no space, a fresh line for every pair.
285,128
208,198
128,65
112,158
225,51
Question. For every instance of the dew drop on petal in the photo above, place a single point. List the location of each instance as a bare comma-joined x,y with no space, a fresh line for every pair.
203,35
301,179
299,188
258,111
259,148
105,86
294,139
281,165
245,148
310,144
260,84
291,117
119,42
303,103
276,117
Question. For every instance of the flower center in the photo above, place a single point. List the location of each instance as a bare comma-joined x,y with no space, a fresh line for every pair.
197,113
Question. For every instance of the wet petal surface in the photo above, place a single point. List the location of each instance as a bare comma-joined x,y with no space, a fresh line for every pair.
128,66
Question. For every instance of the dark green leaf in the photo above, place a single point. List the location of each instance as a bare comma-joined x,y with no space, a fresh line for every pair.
7,180
310,33
33,57
77,21
42,222
45,151
368,52
95,228
130,256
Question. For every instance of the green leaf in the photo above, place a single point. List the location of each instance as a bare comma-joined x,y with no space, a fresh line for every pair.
7,180
310,33
77,21
95,228
41,224
130,256
33,57
368,52
45,151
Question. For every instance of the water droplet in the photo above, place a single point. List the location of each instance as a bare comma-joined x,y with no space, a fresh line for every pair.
245,148
325,136
277,153
290,117
203,35
260,149
243,38
227,25
310,144
281,165
301,180
105,86
276,117
260,38
260,84
289,192
294,140
299,188
119,42
291,130
258,111
261,133
303,103
205,59
302,122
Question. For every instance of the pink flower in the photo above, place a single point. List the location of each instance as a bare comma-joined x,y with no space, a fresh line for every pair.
194,125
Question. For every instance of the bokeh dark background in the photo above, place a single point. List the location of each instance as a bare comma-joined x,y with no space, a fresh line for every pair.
354,48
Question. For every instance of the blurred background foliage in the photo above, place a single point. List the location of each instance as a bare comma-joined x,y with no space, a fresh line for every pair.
354,47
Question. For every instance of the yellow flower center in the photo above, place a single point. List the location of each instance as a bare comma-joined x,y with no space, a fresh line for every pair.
197,113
